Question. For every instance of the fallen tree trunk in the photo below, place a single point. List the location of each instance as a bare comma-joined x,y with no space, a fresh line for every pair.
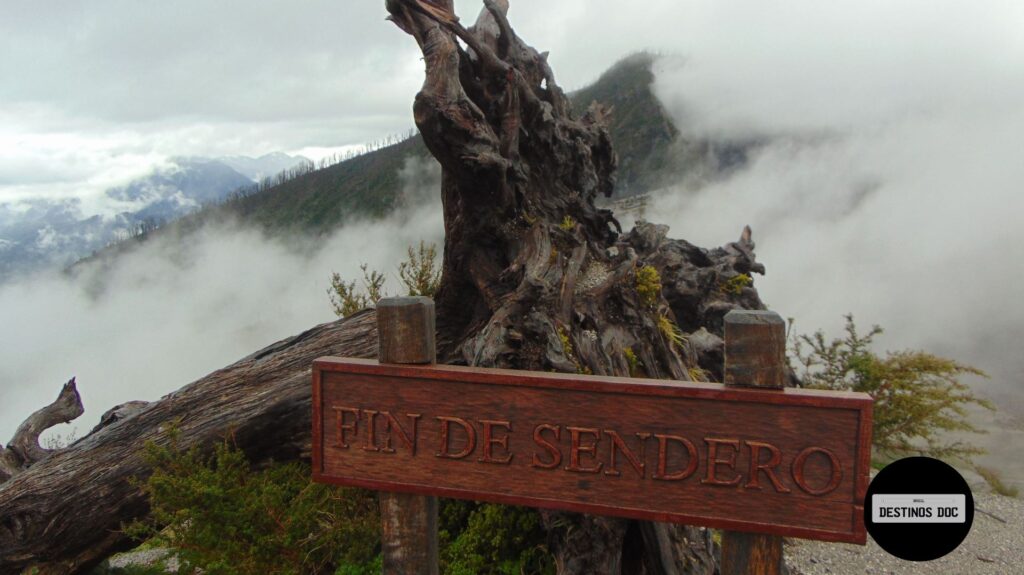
64,513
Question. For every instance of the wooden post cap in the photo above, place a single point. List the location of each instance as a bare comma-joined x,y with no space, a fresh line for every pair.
405,330
755,349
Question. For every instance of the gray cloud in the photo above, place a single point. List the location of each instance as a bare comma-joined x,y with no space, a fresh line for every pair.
890,185
122,62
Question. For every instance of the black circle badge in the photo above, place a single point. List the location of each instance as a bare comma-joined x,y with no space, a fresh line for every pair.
918,509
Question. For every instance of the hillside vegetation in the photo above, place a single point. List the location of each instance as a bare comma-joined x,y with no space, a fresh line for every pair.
370,185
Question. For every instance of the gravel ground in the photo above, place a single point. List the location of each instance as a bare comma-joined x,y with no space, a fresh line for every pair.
994,546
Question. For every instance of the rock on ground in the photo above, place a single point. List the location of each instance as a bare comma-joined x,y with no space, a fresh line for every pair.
145,558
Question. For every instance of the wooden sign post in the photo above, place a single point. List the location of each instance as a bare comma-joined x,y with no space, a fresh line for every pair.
757,461
405,336
755,355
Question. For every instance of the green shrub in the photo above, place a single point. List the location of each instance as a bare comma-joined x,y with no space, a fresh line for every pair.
419,273
220,516
919,397
486,539
995,481
347,300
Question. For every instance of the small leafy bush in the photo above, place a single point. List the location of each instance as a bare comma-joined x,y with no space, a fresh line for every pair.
347,300
919,397
995,481
419,273
221,517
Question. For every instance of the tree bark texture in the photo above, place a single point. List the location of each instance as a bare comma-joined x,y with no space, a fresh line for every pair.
535,276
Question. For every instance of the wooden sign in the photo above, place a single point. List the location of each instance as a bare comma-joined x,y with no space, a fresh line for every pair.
789,462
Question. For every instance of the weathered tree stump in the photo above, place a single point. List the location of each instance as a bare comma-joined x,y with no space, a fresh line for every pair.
535,276
24,449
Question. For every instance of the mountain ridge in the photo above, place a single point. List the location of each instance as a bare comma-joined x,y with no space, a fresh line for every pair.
369,186
316,202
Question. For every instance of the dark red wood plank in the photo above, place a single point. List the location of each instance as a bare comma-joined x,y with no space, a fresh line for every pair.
788,462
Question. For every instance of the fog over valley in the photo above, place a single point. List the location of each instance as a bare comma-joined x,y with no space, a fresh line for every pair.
170,312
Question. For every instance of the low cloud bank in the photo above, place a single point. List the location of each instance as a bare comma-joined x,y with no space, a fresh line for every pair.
890,183
171,312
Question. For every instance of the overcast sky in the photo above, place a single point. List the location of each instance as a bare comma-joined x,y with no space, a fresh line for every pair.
93,93
892,186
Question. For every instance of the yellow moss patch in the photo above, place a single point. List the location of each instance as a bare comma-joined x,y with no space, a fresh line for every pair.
735,284
648,285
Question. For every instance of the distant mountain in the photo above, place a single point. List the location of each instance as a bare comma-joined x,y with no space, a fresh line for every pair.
46,233
264,166
182,187
39,234
652,151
